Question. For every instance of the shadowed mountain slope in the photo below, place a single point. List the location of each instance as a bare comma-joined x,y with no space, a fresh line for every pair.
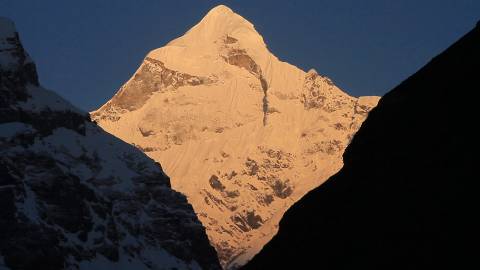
75,197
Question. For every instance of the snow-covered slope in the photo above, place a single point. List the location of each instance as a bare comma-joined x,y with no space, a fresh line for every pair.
241,133
75,197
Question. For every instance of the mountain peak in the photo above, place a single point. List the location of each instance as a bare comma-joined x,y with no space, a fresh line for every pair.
8,43
209,107
219,33
223,14
14,60
219,22
220,9
223,20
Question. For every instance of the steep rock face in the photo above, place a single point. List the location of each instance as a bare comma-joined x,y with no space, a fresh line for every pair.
403,198
75,197
241,133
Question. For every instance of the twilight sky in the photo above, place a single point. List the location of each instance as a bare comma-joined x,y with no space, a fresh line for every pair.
85,50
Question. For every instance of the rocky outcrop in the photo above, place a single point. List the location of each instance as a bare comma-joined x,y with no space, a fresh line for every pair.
244,146
75,197
403,199
240,58
152,77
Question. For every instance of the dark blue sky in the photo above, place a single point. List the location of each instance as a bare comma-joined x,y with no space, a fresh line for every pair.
86,49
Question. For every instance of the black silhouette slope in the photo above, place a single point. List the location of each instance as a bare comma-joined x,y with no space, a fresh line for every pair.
401,200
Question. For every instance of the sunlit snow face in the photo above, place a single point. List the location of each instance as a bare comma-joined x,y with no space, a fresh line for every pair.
238,131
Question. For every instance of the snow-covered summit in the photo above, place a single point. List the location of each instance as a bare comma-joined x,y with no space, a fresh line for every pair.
219,22
221,9
241,133
214,37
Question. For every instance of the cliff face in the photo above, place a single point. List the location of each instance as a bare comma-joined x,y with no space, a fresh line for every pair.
74,197
403,198
241,133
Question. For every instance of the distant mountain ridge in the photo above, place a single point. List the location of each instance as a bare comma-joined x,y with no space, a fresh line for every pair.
74,197
241,133
405,196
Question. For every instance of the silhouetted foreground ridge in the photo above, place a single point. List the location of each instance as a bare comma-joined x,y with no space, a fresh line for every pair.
402,199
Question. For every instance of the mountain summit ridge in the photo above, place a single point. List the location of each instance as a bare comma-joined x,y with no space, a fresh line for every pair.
219,21
207,39
241,133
